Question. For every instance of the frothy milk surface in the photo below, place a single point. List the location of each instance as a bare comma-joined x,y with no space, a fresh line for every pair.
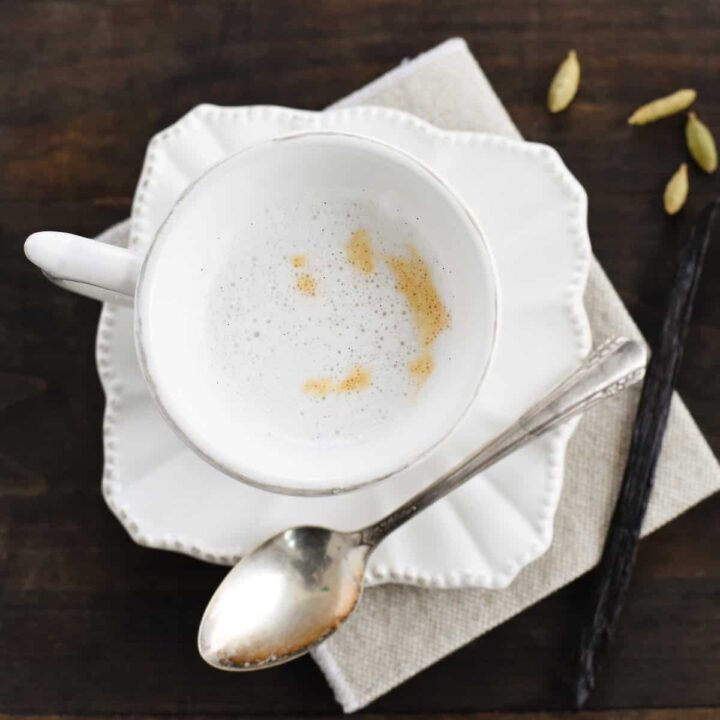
312,322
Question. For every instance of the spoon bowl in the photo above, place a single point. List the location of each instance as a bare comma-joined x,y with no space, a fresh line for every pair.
283,598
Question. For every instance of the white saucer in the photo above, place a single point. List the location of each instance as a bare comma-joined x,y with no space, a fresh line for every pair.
534,214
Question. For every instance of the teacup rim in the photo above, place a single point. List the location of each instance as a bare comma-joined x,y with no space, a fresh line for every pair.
268,481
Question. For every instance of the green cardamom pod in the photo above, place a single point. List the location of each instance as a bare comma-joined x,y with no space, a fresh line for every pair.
700,143
662,107
565,83
676,191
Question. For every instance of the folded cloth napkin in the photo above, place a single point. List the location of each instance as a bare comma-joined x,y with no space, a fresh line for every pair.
399,630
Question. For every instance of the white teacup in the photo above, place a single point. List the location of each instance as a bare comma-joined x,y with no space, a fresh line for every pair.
317,312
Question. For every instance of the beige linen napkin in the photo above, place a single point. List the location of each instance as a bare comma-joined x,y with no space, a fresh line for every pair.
399,630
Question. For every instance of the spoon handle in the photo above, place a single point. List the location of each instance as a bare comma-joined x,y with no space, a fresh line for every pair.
611,368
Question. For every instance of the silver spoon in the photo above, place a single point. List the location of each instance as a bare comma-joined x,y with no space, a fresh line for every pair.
298,587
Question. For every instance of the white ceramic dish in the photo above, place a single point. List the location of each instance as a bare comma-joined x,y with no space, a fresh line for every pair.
241,405
534,212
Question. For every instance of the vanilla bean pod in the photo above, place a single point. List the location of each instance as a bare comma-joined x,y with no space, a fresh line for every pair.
618,559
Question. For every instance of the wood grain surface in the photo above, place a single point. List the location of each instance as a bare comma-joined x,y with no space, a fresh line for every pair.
91,624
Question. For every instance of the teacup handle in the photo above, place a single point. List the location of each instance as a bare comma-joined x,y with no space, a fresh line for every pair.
88,267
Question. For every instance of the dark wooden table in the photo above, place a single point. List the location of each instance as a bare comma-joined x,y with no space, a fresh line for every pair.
90,623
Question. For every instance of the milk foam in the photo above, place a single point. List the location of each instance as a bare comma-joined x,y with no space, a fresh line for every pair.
285,306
